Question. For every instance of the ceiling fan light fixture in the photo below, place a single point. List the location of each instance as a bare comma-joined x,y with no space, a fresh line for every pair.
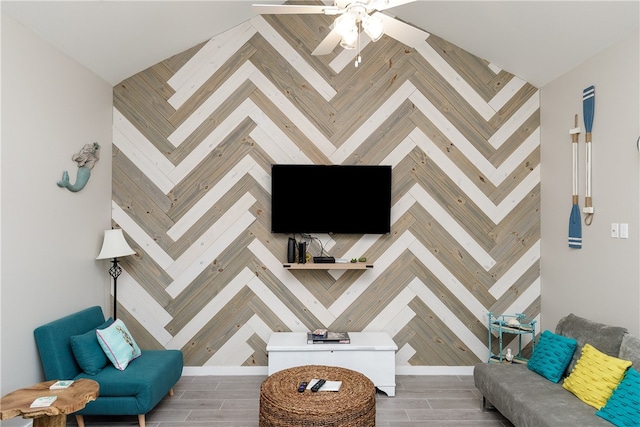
350,40
373,26
345,24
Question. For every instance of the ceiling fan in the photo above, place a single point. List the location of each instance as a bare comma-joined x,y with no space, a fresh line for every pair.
352,16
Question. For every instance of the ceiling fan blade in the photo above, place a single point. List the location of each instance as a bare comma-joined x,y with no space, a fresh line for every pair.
293,9
404,33
393,3
329,43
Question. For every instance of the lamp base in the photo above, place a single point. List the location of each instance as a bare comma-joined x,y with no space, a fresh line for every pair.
114,272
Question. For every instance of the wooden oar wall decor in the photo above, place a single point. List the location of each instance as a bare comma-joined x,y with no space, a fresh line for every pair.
575,221
575,226
588,107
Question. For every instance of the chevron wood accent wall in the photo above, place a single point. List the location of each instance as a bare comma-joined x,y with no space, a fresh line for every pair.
194,139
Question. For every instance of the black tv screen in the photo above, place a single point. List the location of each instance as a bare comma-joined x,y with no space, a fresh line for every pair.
331,199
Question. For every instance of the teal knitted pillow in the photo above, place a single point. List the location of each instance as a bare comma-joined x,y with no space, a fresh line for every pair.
623,407
551,355
87,351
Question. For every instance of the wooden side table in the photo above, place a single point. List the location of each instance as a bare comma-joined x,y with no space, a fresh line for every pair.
69,400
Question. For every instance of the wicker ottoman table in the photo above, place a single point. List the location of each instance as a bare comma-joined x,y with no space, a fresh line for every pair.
281,405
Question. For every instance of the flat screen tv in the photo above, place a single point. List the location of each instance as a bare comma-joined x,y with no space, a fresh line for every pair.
331,199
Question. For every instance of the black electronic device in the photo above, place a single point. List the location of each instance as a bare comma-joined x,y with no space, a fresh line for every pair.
317,385
302,252
291,250
353,199
324,260
302,387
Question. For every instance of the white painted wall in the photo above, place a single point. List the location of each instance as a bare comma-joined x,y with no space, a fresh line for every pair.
601,281
51,107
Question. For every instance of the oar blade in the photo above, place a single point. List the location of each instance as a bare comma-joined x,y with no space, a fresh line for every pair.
588,107
575,228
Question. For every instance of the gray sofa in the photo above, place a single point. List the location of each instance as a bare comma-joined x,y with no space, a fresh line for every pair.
529,399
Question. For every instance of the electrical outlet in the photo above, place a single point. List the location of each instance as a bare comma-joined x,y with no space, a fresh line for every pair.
614,230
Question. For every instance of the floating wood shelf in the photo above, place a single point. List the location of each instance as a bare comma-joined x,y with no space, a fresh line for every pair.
328,266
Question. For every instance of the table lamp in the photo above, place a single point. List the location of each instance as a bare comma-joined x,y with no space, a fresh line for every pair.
114,246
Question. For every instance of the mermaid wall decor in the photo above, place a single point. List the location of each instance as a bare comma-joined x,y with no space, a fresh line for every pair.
86,159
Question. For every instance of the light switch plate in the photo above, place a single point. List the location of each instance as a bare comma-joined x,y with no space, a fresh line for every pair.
624,230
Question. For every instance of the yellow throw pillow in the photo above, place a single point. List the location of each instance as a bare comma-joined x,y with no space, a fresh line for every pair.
595,376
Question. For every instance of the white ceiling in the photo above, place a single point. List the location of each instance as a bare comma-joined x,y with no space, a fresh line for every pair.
536,40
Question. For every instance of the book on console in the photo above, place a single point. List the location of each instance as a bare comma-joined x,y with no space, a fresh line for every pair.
319,334
330,338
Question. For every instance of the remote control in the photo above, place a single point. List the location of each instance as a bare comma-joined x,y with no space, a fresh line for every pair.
302,387
317,385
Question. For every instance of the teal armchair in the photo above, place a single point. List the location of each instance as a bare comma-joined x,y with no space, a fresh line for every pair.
133,391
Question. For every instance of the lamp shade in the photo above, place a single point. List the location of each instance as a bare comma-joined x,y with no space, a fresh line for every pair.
114,245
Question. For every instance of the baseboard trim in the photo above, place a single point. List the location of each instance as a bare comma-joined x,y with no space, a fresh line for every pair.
262,370
434,370
224,370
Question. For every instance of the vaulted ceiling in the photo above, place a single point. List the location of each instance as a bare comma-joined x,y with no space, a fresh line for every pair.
536,40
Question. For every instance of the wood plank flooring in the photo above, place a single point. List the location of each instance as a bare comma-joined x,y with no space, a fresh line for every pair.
234,401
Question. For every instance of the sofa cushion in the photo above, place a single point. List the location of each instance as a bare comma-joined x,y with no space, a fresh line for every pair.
595,376
137,389
530,400
551,355
87,351
630,350
605,338
118,344
623,408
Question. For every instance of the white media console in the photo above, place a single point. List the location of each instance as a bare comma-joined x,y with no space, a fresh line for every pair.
370,353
